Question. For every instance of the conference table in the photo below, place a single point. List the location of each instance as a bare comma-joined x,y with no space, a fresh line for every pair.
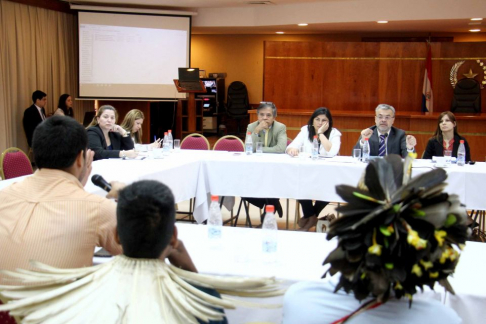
299,258
197,174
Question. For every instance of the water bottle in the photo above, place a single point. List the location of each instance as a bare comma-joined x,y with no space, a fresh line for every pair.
215,223
165,144
248,144
269,235
170,140
365,151
461,154
315,148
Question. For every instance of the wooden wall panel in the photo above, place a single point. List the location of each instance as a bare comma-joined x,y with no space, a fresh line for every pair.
356,76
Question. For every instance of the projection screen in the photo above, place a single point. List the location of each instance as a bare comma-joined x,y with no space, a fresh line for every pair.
132,56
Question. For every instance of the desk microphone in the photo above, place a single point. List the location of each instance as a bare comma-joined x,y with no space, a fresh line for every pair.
100,182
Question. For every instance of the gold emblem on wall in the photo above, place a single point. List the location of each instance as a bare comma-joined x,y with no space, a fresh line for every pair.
470,75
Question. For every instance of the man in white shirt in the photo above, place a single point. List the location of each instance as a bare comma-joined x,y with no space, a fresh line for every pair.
385,139
35,114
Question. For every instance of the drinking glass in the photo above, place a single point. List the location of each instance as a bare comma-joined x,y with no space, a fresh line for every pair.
158,153
177,145
259,148
302,153
357,154
447,155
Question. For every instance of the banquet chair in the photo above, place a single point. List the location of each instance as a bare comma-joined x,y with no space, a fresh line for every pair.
5,317
237,103
14,163
232,144
193,141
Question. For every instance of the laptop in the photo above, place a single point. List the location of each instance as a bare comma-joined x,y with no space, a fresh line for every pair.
189,79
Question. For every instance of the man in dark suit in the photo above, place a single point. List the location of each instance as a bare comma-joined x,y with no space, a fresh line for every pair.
34,115
385,139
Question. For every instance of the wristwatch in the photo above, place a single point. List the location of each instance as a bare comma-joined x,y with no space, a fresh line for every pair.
126,134
122,154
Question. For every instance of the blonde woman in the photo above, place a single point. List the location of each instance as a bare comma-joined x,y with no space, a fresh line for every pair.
106,138
133,124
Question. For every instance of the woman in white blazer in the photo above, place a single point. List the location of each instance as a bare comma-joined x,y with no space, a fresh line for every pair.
329,138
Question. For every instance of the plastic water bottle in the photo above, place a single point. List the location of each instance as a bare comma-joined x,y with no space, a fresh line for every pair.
165,144
461,154
170,139
248,144
315,148
269,235
366,151
215,223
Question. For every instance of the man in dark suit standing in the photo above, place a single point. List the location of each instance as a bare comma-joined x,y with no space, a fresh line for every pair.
35,114
385,139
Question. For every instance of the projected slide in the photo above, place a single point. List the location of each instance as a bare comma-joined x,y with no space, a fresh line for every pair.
131,56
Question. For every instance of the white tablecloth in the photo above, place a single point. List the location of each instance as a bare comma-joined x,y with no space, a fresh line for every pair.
197,173
300,256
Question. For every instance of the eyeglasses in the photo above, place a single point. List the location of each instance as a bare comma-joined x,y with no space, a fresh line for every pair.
267,103
387,118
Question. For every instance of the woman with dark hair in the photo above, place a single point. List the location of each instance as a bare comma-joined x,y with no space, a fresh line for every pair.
106,138
65,106
446,137
320,125
329,139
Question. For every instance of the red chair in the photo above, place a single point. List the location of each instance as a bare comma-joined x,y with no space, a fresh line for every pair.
14,163
229,143
5,318
195,142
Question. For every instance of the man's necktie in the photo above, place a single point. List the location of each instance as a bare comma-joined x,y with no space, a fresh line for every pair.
43,113
382,148
266,138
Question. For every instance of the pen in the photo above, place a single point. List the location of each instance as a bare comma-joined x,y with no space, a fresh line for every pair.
155,138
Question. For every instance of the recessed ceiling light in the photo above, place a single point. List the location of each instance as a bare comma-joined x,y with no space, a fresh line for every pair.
382,21
302,25
474,30
476,19
279,32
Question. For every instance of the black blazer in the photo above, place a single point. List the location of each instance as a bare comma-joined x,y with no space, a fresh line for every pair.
30,121
97,143
396,142
434,148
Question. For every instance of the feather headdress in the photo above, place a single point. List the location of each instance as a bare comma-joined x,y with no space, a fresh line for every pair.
126,290
396,233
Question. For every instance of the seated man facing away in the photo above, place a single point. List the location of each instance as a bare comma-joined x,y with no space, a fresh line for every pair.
273,136
136,287
393,238
49,217
385,139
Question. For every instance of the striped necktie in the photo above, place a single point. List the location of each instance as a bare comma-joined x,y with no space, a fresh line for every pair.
382,148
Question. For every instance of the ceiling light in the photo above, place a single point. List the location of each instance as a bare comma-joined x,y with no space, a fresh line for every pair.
302,25
279,32
382,21
476,19
474,30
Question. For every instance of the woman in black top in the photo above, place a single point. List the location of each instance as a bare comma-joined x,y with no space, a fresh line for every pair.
445,137
106,138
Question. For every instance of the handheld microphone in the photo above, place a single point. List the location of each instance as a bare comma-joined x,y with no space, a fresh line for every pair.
100,182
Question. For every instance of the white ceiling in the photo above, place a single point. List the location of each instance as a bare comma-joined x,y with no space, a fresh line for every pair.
323,16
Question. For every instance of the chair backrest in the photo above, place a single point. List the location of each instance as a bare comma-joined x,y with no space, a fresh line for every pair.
195,142
237,101
289,140
14,163
467,96
229,143
5,318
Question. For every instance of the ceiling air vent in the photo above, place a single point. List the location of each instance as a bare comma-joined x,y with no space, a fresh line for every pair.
261,2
